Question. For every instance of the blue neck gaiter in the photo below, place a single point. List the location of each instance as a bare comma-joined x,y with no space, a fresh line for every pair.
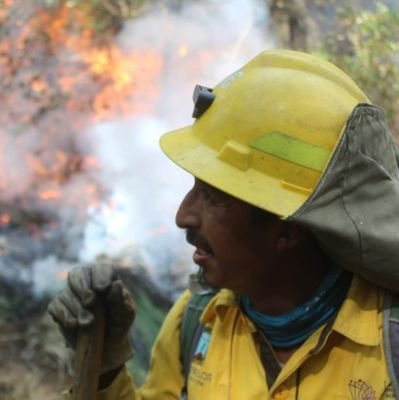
293,328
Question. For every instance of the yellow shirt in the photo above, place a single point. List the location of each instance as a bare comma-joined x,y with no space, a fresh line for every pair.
345,362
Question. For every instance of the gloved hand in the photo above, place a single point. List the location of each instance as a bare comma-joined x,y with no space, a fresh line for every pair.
71,310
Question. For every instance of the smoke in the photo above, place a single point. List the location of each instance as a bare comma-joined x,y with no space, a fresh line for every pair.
138,187
200,43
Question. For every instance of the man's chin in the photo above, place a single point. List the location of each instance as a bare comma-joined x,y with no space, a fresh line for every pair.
206,282
210,281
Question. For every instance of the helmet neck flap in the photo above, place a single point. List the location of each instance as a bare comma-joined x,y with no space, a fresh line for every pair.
354,210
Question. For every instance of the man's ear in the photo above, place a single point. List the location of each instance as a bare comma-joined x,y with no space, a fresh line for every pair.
289,237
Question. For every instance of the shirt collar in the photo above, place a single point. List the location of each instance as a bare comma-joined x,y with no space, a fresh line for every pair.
219,306
359,318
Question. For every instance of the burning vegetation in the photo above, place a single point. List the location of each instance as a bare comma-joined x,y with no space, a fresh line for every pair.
60,75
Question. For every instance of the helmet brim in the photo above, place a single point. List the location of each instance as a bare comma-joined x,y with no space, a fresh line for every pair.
185,149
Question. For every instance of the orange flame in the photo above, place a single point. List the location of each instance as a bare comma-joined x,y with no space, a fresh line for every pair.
39,85
63,274
87,81
50,194
120,74
5,219
183,50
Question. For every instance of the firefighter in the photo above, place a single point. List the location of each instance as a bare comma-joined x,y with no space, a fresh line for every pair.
292,215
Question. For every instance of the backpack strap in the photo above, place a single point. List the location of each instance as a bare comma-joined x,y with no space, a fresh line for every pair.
391,337
191,327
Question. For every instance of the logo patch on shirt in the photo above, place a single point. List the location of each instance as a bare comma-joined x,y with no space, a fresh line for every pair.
202,346
361,390
198,376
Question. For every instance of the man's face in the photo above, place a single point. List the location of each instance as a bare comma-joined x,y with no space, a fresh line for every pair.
233,250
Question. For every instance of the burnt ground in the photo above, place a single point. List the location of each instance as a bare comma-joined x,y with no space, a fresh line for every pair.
33,360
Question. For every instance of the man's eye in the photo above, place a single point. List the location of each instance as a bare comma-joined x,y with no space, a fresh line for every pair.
215,196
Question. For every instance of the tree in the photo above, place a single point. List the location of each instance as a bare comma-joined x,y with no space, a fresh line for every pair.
365,44
291,15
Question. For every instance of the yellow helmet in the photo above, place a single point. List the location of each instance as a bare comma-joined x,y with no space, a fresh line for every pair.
265,133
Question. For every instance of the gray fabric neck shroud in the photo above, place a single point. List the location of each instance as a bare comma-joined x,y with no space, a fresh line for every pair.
354,210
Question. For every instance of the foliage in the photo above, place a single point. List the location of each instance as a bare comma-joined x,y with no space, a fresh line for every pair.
365,45
103,16
145,329
151,308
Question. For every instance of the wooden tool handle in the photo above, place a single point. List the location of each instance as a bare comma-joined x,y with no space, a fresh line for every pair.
88,357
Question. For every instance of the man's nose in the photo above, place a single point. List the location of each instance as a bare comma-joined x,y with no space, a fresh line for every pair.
188,215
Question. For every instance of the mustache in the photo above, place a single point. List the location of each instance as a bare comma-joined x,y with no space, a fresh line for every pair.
193,237
197,240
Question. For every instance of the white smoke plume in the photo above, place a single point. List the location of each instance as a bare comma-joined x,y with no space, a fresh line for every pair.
195,43
200,43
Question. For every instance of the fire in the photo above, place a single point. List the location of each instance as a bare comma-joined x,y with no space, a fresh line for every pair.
60,78
62,274
5,219
125,74
50,194
67,82
39,85
183,50
91,162
88,79
118,73
57,166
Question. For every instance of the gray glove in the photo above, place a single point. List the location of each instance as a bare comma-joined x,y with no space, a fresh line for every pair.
71,310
